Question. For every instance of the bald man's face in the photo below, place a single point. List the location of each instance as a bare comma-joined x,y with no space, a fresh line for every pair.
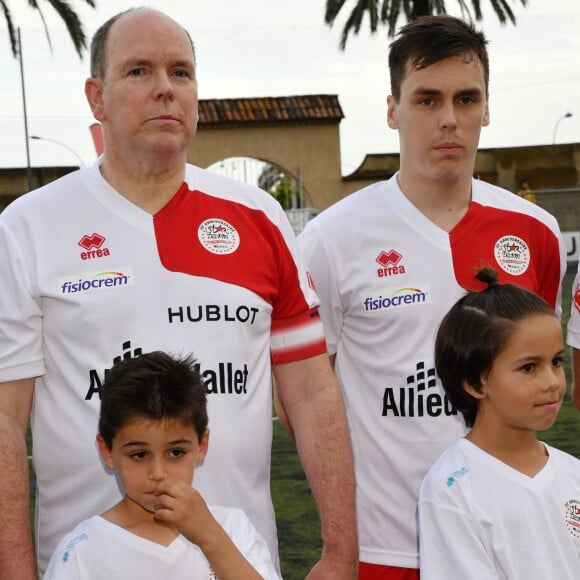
147,101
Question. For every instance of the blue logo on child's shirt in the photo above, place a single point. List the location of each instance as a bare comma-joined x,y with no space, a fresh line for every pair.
456,475
72,544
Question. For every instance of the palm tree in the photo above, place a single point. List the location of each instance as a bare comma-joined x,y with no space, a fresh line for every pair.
391,10
70,17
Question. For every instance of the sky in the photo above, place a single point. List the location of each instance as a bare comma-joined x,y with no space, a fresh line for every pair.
261,48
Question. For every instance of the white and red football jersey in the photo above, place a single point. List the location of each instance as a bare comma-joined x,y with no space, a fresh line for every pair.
573,331
386,276
88,277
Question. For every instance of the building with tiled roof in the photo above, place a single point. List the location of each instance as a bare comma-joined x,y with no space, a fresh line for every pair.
269,111
298,134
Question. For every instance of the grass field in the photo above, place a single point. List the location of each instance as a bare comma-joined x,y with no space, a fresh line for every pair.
297,518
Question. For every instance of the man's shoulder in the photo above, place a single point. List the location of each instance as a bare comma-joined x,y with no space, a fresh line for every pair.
353,208
52,196
228,189
497,197
370,192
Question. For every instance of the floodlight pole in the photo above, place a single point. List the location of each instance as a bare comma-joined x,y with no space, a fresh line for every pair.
28,167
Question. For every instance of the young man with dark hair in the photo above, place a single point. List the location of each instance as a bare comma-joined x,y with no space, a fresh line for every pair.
389,260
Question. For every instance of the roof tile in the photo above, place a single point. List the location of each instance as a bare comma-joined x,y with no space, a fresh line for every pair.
269,110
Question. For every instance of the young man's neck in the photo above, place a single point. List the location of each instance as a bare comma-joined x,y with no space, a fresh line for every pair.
442,201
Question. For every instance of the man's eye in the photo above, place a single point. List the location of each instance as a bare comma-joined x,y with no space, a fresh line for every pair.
177,453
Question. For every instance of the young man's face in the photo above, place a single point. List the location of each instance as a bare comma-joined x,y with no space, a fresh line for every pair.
145,452
439,118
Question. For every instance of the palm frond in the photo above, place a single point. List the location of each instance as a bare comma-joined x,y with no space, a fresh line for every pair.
11,30
392,10
333,7
73,24
67,14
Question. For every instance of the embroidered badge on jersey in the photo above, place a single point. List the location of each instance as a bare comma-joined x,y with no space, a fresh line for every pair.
218,236
512,254
577,297
573,517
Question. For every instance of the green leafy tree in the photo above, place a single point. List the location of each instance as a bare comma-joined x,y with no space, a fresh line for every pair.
388,12
68,15
279,186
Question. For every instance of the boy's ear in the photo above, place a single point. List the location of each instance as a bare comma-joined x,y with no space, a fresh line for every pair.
105,452
479,393
203,445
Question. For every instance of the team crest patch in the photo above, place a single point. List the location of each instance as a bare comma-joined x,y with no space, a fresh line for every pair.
573,517
218,236
512,254
577,297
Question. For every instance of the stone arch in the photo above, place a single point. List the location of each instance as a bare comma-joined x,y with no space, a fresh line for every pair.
299,134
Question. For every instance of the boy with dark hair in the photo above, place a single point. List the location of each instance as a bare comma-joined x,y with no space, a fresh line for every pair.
499,503
152,434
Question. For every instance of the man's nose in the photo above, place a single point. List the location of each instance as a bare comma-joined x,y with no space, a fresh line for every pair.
163,85
448,118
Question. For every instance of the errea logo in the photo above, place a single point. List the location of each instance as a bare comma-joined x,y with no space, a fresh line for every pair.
92,246
390,262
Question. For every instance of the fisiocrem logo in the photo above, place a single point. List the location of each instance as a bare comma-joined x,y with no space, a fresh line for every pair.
397,297
95,281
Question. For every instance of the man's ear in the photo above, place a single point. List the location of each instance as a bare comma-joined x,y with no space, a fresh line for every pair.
105,452
485,120
392,117
203,446
94,94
